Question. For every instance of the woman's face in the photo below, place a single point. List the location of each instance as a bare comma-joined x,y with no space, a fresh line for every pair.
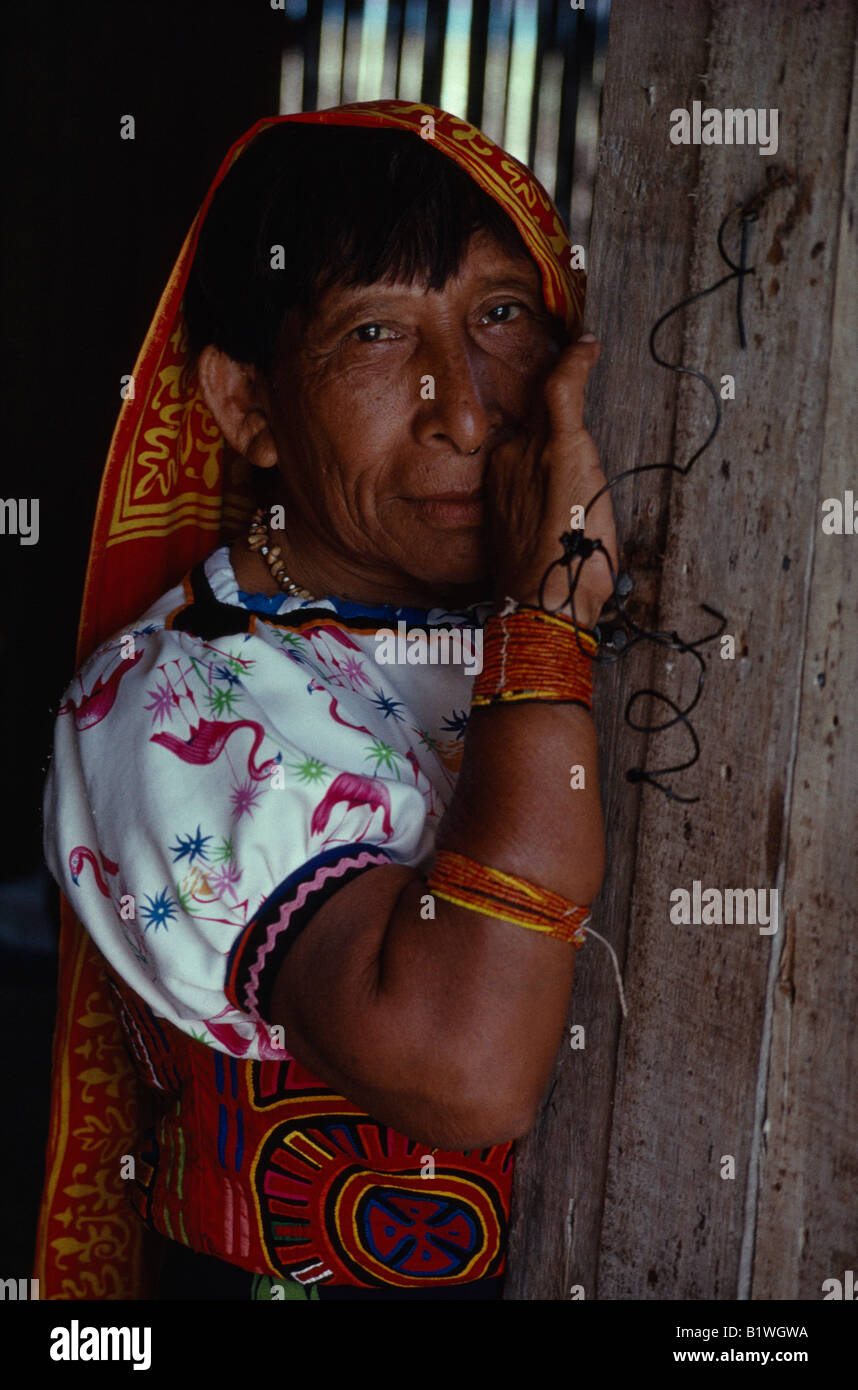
393,397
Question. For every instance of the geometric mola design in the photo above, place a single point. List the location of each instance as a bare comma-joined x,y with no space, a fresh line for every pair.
335,1204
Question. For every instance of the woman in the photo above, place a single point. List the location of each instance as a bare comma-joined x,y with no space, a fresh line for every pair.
335,895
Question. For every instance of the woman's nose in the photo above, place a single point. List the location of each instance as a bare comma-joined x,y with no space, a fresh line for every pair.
455,398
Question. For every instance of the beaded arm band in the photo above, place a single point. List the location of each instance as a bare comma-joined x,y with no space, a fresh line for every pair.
463,881
531,655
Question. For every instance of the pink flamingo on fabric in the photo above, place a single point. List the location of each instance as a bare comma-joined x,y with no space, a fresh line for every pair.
355,790
208,739
82,855
95,706
331,632
333,710
429,794
238,1044
321,638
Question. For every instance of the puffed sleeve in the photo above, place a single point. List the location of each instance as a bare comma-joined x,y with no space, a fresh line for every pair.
203,800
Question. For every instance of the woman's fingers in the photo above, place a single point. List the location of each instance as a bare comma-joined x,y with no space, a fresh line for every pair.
565,388
535,485
575,472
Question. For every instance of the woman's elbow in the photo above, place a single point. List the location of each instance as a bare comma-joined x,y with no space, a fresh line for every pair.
460,1131
477,1112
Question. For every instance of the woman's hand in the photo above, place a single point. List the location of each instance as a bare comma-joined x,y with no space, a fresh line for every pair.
531,490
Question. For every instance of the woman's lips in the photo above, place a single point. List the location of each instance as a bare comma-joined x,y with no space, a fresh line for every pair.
451,508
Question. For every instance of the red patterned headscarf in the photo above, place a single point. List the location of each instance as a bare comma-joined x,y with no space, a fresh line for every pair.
170,493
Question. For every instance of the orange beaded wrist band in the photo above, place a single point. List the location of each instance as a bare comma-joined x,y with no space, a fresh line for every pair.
532,655
463,881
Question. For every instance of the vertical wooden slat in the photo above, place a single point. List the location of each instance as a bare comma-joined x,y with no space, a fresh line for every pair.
586,137
543,30
509,38
433,53
351,50
411,58
569,30
547,127
393,48
291,81
477,60
312,47
454,80
330,56
372,51
497,55
521,85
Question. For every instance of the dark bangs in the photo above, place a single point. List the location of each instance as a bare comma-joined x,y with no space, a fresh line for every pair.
348,206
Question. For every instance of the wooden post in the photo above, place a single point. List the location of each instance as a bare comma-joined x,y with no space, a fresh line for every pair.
736,1044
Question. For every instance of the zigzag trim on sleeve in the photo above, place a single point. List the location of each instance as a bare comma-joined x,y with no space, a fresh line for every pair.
262,946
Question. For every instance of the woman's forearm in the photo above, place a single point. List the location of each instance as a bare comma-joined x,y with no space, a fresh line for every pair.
517,805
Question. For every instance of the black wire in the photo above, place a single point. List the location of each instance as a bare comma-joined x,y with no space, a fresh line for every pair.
577,546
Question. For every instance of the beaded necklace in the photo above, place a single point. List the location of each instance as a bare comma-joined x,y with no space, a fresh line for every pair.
259,539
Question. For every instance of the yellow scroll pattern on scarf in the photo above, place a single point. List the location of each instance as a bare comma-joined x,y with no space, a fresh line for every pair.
90,1229
171,472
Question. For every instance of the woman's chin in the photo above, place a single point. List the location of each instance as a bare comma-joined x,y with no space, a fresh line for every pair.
454,570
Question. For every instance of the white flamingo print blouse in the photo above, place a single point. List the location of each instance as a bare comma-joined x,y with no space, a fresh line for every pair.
223,766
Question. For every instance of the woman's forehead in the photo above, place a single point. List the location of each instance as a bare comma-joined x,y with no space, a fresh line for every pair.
484,260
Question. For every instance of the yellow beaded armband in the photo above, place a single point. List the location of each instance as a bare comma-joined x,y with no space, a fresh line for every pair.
531,655
464,882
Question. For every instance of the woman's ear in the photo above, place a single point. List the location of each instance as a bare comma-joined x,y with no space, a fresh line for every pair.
236,395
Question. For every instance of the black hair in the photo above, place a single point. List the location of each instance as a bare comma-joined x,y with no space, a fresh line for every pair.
349,205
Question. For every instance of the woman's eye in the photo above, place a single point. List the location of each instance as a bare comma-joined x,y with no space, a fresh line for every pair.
372,333
503,313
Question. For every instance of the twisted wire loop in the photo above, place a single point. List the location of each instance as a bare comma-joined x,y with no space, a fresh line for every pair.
624,633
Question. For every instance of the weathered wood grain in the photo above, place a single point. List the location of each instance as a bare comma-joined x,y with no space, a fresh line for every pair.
807,1222
737,1042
